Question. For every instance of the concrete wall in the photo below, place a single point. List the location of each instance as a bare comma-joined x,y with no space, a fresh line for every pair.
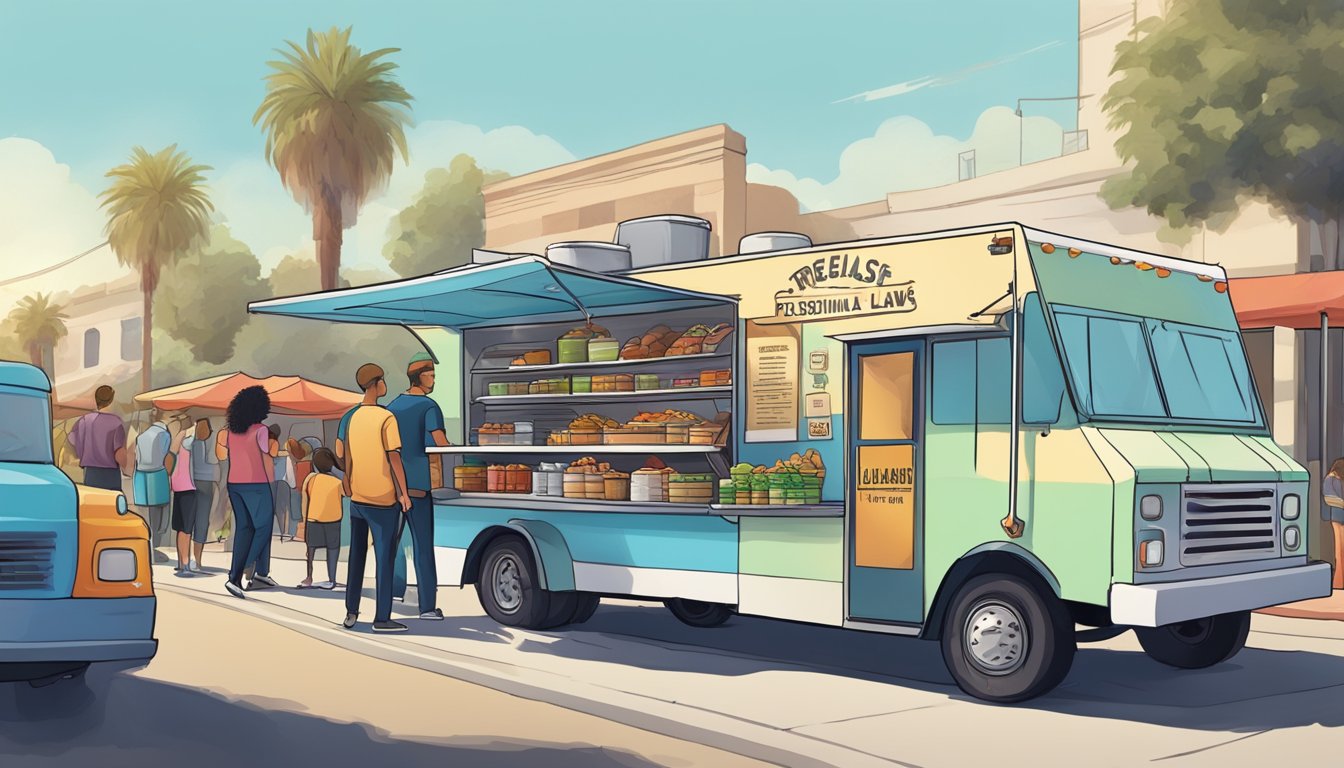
101,308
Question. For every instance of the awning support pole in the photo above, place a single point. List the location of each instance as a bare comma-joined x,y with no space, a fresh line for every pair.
1325,393
587,318
1012,524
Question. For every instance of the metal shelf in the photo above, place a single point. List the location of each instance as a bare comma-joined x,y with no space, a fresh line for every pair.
575,449
599,366
679,393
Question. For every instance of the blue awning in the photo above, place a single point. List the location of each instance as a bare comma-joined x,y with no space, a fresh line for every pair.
527,289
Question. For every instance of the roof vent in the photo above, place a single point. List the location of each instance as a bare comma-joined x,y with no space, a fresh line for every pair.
594,257
762,242
657,240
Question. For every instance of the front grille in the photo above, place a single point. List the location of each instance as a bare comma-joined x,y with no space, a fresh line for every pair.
25,560
1228,523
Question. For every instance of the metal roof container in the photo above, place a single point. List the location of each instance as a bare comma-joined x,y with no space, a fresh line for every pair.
657,240
592,256
762,242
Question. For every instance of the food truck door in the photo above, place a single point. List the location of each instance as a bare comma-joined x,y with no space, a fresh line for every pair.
885,519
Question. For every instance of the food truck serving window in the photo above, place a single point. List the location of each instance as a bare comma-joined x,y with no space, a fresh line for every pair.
1122,367
25,428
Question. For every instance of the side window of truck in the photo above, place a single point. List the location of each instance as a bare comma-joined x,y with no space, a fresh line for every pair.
1042,377
971,382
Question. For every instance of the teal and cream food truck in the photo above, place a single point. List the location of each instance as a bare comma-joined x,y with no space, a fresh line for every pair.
983,437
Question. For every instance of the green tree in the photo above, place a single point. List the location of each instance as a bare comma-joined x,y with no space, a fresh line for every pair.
203,297
157,208
39,324
1225,101
443,223
334,120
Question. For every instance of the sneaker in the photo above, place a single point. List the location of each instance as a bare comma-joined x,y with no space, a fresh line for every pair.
265,580
235,589
401,599
194,566
434,615
183,573
325,585
350,619
389,626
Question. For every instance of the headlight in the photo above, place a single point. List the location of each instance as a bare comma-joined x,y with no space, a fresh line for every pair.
116,565
1150,507
1290,507
121,505
1292,537
1150,553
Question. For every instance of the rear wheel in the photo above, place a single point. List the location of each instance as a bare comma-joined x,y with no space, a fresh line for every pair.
563,605
507,586
1198,643
697,613
585,608
1006,639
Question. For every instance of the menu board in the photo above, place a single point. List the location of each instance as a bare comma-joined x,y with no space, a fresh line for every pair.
773,387
884,507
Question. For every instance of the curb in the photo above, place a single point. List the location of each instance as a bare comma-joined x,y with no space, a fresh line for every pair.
739,736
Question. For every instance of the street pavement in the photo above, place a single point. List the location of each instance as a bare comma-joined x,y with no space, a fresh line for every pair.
803,695
228,689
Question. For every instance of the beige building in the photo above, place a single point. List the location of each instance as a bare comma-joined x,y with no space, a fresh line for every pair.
103,339
703,173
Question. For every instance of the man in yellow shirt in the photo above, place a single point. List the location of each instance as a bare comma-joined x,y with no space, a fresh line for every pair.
375,481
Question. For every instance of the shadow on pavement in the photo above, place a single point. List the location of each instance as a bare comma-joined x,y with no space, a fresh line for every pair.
136,721
1104,683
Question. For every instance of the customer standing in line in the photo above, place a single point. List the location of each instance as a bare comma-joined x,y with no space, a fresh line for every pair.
280,485
205,475
150,487
420,423
375,481
320,500
99,442
247,447
302,465
1333,512
183,485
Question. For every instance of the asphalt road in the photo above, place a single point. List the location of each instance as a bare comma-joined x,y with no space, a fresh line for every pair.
230,690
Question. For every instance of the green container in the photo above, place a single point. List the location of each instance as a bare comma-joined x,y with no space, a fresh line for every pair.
500,388
646,381
573,350
581,384
603,350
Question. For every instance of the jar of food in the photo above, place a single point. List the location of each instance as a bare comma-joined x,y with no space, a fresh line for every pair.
574,485
616,486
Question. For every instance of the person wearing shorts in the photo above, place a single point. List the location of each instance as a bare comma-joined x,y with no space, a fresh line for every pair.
320,501
205,476
184,496
150,486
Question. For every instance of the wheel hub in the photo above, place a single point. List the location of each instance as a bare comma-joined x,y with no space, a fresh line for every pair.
995,638
506,586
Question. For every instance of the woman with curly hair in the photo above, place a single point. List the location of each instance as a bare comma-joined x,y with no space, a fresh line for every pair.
247,447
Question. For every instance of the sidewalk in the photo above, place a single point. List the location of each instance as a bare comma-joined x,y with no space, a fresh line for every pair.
1331,607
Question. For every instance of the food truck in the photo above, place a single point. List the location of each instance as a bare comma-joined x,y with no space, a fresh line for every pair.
982,437
75,584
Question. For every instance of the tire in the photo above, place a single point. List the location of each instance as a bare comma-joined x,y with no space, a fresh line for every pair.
585,608
563,605
697,613
1196,644
507,585
1007,639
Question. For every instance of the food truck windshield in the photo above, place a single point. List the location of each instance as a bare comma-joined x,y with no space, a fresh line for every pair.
1145,343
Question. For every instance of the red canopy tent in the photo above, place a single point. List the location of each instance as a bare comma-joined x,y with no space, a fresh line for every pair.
290,396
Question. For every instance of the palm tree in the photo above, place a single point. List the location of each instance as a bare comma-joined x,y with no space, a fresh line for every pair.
334,120
39,324
157,208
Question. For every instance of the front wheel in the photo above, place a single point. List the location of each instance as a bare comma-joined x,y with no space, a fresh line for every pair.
697,613
1007,640
1198,643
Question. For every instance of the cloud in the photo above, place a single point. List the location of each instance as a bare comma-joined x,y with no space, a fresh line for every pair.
249,196
904,154
46,218
933,81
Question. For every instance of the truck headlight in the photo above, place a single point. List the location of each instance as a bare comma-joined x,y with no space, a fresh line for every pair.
1290,507
122,508
1150,507
116,565
1292,537
1150,553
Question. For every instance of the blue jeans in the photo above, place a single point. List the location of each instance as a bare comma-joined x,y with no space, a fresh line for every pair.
420,522
385,524
253,516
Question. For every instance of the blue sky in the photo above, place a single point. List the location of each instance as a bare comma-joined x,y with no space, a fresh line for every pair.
89,80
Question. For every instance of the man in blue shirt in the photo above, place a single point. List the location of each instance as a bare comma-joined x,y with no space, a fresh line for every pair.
420,422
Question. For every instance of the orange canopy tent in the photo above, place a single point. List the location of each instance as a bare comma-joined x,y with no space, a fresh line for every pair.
290,396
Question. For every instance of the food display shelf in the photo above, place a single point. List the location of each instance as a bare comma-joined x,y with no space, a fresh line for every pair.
597,366
679,393
574,450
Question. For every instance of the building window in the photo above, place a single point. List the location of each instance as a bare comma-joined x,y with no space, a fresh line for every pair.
91,341
966,165
130,338
1074,141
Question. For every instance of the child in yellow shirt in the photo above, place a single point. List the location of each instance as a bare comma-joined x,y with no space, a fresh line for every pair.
321,497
